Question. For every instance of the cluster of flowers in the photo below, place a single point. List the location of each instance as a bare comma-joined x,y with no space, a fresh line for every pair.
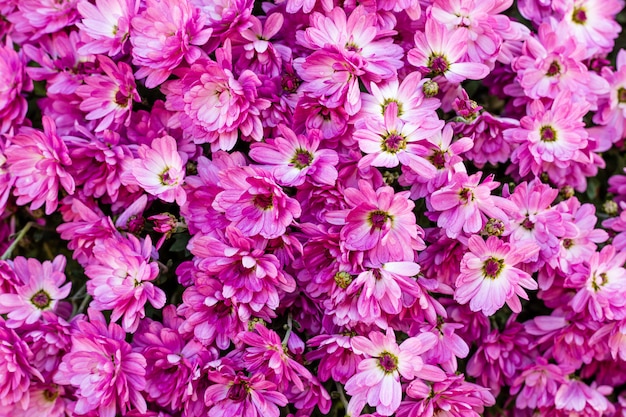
359,235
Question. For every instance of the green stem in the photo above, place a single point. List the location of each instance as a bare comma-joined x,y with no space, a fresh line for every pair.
342,396
289,327
14,244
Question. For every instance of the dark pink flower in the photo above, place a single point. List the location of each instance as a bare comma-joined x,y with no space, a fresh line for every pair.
107,374
14,81
37,160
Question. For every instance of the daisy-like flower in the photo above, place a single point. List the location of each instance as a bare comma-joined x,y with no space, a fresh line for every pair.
107,374
294,158
439,52
377,381
107,23
600,285
35,18
464,204
394,142
164,33
159,170
549,137
121,279
41,289
254,203
489,277
37,159
109,98
380,222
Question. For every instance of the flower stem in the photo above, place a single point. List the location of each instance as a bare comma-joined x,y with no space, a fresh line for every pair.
13,245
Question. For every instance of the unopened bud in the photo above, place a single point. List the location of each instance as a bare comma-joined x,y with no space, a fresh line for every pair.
430,88
610,207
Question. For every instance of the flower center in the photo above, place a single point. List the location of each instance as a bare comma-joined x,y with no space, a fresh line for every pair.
438,64
393,143
41,300
579,16
290,83
388,362
527,224
343,279
264,201
167,178
621,95
599,281
121,99
238,391
547,134
378,218
568,243
302,159
553,69
438,159
466,195
492,267
50,395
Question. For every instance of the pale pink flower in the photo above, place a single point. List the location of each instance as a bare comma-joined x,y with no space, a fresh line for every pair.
464,204
37,159
380,222
121,279
574,396
107,374
357,38
254,203
164,33
214,105
296,158
109,98
538,384
107,23
159,170
42,286
226,17
391,142
377,381
600,285
47,399
489,277
592,24
440,52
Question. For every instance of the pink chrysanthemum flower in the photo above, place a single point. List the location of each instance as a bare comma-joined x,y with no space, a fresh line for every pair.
391,142
163,34
356,37
121,279
549,137
537,385
15,368
6,179
294,158
13,81
576,397
173,362
37,161
226,17
254,203
439,52
34,18
249,275
452,397
600,285
338,359
107,374
489,277
377,381
234,394
47,399
60,64
214,105
261,55
464,204
380,222
266,354
159,170
107,23
109,98
593,24
41,288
